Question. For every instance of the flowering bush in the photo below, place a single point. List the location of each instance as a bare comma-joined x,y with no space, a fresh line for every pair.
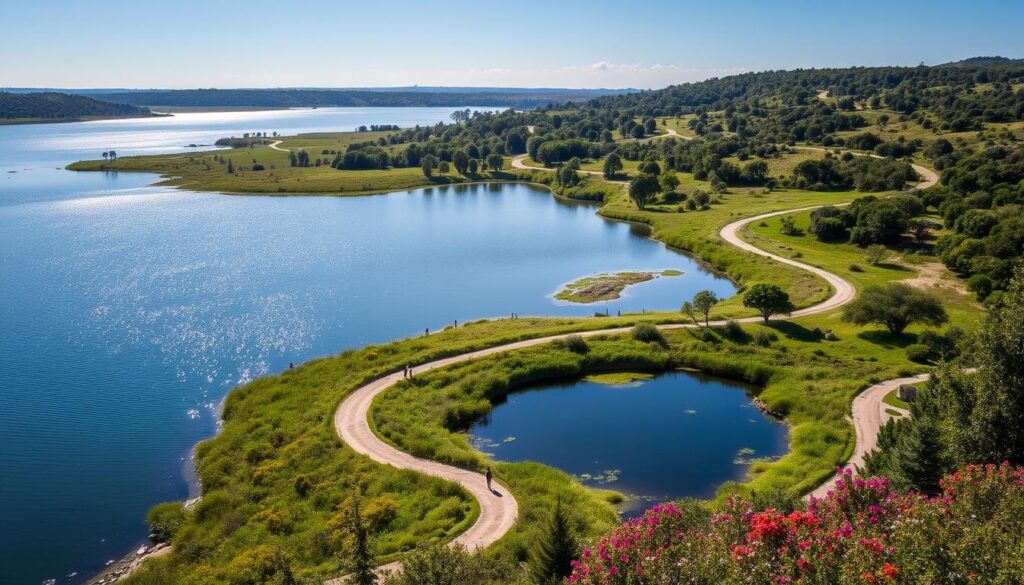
862,532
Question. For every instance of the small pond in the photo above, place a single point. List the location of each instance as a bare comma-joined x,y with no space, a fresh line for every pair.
680,434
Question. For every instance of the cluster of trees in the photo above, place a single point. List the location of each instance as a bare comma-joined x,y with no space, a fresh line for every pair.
870,220
981,200
964,415
861,172
378,128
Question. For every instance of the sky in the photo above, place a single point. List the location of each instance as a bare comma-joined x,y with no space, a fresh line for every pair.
525,43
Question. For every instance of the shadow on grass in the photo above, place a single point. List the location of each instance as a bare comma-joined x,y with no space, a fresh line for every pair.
886,339
795,332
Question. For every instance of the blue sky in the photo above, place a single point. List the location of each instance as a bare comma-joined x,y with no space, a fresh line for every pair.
563,43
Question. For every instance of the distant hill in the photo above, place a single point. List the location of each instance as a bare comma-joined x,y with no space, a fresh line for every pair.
383,97
55,106
984,62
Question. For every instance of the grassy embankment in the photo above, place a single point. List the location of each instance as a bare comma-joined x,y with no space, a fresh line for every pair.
207,170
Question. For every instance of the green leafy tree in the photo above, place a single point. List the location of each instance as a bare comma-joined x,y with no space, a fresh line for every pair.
495,162
768,299
612,166
427,165
643,188
461,161
443,167
669,181
701,305
553,554
895,305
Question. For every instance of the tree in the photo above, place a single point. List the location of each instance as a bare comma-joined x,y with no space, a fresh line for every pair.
768,299
427,165
637,132
443,167
105,155
895,305
361,563
495,162
651,125
292,159
874,254
612,165
231,167
473,166
701,304
643,188
553,554
669,181
461,161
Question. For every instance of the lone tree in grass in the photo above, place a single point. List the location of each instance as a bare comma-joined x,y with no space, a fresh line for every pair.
427,165
552,556
896,306
361,563
701,304
612,166
643,188
768,299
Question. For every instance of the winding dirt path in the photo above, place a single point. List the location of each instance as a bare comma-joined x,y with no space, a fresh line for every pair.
498,508
868,415
275,146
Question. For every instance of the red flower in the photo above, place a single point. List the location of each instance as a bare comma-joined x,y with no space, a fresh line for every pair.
890,572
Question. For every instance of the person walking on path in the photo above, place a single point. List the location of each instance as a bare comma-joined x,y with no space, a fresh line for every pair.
408,371
488,475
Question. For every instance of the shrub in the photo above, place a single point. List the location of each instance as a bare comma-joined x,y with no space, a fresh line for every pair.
854,267
918,352
980,285
861,532
648,333
733,330
576,344
165,519
764,337
302,485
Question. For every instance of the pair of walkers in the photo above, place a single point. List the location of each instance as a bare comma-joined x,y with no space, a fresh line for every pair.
407,372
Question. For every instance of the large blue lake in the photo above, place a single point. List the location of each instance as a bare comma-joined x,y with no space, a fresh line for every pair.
128,311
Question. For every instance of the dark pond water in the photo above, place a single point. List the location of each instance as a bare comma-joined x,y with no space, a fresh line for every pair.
677,435
128,311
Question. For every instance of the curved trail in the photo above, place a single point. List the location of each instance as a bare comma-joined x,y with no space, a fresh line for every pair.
498,508
867,414
275,146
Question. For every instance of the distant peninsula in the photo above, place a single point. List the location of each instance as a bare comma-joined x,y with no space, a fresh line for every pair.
45,107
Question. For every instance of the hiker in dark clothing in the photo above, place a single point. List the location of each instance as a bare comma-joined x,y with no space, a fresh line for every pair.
488,475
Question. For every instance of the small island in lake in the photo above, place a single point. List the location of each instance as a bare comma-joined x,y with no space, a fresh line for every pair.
606,287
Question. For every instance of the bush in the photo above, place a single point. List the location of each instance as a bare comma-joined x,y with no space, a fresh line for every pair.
648,333
765,337
734,331
980,285
165,519
854,267
919,353
861,532
576,344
